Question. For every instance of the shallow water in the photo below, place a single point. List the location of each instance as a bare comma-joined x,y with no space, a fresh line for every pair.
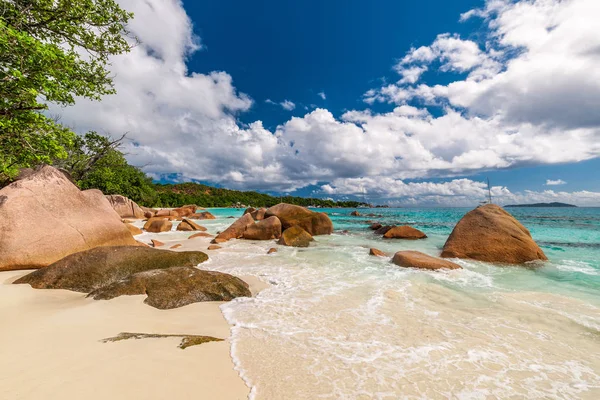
338,323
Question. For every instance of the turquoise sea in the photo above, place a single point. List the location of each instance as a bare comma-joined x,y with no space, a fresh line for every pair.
337,323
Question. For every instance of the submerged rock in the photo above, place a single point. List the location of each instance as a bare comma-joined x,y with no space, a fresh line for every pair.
355,214
125,207
157,224
489,233
45,217
290,215
266,229
382,230
92,269
186,225
404,232
295,237
176,287
375,226
416,259
272,250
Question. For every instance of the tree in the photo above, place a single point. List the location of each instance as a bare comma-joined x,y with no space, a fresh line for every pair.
50,52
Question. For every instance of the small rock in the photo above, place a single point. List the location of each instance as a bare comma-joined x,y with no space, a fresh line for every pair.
214,247
375,226
176,246
187,225
157,243
383,230
355,214
218,240
272,250
200,234
377,252
416,259
404,232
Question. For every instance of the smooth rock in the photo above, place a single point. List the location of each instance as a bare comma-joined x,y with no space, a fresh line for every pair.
214,247
416,259
355,214
134,229
125,207
290,215
156,243
202,215
272,250
176,246
186,225
404,232
200,234
383,230
377,252
157,224
237,229
45,217
489,233
295,237
176,287
92,269
266,229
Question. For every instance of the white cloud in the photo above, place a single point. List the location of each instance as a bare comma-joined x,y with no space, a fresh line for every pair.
551,182
288,105
458,192
504,113
322,95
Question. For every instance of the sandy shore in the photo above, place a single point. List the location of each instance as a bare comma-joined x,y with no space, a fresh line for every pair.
50,346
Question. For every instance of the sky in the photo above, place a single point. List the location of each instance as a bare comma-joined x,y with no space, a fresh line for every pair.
409,103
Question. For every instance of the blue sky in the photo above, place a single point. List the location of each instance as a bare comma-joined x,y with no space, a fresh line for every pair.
405,103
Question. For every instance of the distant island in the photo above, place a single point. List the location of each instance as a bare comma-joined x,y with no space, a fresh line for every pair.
555,204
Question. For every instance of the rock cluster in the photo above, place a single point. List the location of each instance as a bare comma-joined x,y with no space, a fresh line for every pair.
168,278
45,217
125,207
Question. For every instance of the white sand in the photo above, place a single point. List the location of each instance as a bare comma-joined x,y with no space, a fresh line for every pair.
50,347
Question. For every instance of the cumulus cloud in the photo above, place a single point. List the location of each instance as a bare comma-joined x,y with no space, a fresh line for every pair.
286,104
551,182
527,95
458,192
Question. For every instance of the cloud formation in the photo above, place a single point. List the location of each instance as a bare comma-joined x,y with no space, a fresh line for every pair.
551,182
526,93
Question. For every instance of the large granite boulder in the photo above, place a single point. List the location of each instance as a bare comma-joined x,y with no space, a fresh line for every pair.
185,211
125,207
176,287
186,225
237,229
416,259
404,232
92,269
157,225
295,237
257,214
290,215
489,233
45,217
266,229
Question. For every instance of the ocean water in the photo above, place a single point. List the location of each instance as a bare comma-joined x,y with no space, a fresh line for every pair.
337,323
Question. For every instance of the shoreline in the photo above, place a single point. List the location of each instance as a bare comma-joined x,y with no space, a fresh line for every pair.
51,346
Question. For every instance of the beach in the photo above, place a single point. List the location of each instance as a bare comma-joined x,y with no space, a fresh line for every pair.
331,322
